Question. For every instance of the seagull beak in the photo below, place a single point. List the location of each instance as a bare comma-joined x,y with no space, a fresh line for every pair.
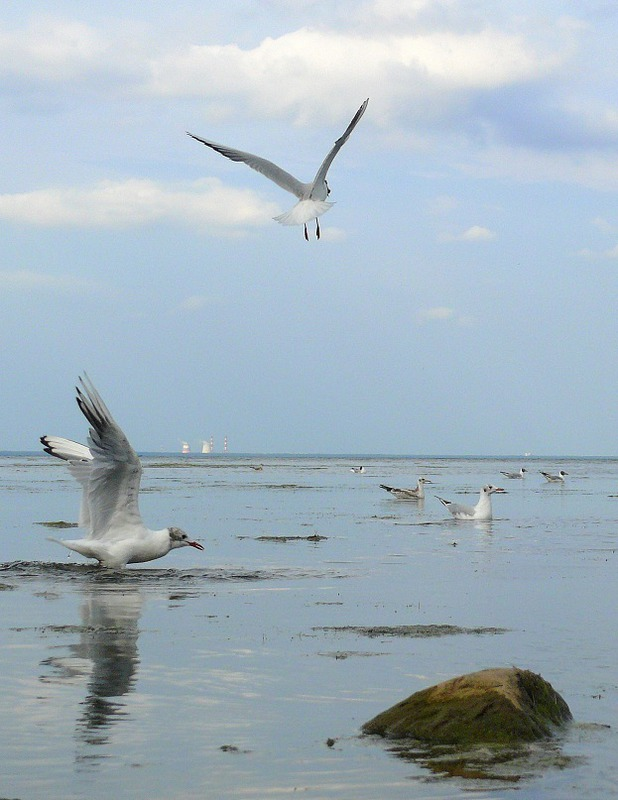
502,491
197,545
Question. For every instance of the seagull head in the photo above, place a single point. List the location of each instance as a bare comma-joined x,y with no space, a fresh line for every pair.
424,480
178,538
489,489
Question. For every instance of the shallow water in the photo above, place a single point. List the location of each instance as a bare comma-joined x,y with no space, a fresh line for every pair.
222,674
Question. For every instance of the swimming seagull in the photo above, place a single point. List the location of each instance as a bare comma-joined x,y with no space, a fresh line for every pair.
559,478
519,474
357,470
312,196
482,510
408,494
109,472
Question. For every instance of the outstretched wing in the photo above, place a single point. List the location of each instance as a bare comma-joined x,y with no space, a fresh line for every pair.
321,173
115,469
79,461
261,165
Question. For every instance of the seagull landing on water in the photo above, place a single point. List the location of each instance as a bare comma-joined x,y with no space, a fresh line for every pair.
109,472
312,196
482,510
559,478
408,494
519,474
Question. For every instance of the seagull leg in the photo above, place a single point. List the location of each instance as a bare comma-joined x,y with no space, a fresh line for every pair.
306,234
317,228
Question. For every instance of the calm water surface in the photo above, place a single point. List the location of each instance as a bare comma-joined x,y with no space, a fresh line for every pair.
220,674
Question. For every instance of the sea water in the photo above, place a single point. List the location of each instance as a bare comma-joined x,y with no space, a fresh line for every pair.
247,670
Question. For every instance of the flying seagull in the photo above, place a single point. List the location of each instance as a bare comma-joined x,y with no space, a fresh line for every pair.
109,472
312,196
482,510
418,493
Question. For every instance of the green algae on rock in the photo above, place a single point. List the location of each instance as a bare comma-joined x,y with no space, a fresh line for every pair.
493,706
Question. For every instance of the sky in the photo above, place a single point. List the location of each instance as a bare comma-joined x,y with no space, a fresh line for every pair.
463,296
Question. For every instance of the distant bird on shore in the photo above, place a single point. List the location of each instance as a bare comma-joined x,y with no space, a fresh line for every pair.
357,470
312,196
559,478
417,493
109,472
482,510
519,474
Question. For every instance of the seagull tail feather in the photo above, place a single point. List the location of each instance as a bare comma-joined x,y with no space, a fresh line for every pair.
304,211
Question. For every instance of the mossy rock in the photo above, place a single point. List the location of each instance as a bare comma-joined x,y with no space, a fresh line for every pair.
500,705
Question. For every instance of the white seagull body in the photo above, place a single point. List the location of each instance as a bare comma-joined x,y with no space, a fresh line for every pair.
312,202
482,510
109,472
559,478
519,474
357,470
417,493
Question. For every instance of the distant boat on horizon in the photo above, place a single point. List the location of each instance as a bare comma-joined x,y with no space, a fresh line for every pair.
185,448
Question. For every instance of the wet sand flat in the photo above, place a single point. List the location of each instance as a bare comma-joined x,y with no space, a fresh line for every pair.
247,671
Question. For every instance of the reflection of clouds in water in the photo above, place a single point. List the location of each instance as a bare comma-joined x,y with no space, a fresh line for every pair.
106,656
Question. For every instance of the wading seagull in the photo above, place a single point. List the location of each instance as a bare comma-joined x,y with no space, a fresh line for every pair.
312,196
559,478
519,474
109,472
408,494
482,510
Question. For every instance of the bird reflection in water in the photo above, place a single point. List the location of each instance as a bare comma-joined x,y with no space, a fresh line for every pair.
106,656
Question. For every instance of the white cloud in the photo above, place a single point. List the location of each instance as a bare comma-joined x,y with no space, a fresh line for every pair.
435,71
597,171
610,253
195,302
333,234
112,204
477,233
443,314
604,225
433,314
29,280
443,205
279,74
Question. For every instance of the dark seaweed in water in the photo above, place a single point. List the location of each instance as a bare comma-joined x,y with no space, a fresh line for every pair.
156,577
416,631
59,524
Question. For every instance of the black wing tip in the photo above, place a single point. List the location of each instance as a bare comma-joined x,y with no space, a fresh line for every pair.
87,404
48,448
